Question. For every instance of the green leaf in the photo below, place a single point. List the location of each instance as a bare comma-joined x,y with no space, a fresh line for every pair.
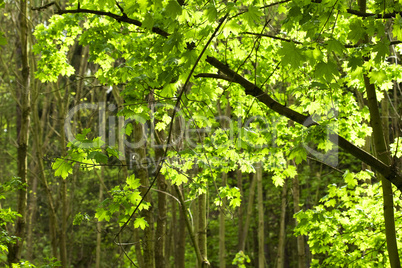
140,223
291,55
132,182
382,49
173,9
355,62
253,15
148,21
278,180
129,129
397,27
378,76
211,12
357,31
102,214
135,197
99,157
168,90
335,46
299,153
62,168
326,71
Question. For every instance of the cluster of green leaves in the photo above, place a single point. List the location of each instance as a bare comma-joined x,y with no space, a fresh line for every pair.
88,153
347,227
123,201
7,216
241,260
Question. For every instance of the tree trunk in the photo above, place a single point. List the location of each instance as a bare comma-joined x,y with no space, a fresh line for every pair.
383,155
180,238
202,224
98,252
142,173
301,251
258,176
32,207
222,250
160,234
282,230
239,177
203,262
250,206
23,118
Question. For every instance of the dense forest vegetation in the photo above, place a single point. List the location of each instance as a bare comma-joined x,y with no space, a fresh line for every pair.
173,133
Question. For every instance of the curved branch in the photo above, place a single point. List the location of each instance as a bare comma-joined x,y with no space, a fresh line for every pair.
119,18
389,172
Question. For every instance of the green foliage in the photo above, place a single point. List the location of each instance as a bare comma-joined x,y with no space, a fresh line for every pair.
337,225
87,153
122,203
7,215
316,68
241,260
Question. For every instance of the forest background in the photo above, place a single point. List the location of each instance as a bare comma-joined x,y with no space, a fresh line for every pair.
171,133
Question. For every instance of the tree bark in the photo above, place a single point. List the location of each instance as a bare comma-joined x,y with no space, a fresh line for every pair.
23,119
261,245
160,233
222,250
282,229
202,224
180,238
383,155
98,252
239,177
301,250
249,212
148,241
203,262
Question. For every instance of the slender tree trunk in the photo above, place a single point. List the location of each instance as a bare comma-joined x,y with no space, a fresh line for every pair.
384,156
23,118
202,224
203,262
179,233
64,200
258,176
181,238
160,233
148,241
41,142
222,232
387,189
239,177
301,250
98,252
249,212
224,118
32,206
282,230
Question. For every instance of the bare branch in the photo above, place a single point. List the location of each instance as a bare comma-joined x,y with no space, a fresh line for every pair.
274,37
46,6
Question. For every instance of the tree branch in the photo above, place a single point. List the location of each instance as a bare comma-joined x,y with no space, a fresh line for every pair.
46,6
274,37
377,16
119,18
389,172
